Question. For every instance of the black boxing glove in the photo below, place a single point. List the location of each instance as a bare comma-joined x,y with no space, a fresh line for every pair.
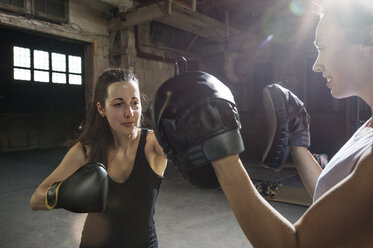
288,124
84,191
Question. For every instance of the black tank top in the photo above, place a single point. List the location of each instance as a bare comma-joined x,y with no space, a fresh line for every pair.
128,219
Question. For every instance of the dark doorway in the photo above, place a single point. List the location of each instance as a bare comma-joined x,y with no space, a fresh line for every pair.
41,89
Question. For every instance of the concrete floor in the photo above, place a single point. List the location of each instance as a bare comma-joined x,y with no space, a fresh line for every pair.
185,216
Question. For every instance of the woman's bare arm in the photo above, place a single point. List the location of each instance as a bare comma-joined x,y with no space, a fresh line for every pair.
262,224
308,168
73,160
341,218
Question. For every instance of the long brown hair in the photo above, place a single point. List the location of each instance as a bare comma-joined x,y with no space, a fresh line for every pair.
96,131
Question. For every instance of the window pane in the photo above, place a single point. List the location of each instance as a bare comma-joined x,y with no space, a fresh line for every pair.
49,7
18,3
41,76
22,74
58,62
75,79
39,5
60,9
59,78
75,64
41,60
21,57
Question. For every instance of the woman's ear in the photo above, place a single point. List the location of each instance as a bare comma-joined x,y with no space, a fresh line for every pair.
100,109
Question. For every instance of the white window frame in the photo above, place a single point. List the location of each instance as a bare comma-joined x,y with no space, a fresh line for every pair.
64,70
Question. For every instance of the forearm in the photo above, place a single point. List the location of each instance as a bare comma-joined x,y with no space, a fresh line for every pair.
37,201
262,225
308,168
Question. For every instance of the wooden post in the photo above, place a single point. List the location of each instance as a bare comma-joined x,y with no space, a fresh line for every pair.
169,7
95,47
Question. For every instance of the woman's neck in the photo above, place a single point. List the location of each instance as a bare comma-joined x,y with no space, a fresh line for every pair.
123,141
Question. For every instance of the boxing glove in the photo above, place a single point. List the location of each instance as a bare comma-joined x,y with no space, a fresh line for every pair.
288,124
84,191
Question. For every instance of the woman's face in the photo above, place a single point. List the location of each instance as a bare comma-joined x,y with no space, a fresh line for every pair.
122,107
343,63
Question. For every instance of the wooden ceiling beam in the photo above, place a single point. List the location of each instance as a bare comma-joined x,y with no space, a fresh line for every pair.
181,17
141,15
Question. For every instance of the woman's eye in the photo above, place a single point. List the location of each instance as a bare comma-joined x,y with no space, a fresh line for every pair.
135,103
118,104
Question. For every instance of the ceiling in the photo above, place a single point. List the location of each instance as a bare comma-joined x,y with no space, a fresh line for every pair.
247,19
246,15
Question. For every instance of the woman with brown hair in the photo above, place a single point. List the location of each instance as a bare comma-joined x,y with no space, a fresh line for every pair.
135,163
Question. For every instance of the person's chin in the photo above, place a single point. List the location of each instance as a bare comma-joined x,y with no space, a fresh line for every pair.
124,130
130,130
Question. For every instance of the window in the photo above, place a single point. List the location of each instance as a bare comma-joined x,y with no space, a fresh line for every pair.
52,10
59,68
75,69
46,66
13,5
21,63
41,66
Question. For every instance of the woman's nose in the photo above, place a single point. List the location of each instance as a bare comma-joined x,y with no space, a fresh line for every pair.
128,111
316,66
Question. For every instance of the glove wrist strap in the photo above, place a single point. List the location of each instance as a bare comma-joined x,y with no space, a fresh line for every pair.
51,197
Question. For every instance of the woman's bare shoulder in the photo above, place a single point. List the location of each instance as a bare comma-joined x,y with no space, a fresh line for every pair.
158,148
345,209
77,153
154,154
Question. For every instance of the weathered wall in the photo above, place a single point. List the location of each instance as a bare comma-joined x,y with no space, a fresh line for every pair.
244,63
87,24
153,63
